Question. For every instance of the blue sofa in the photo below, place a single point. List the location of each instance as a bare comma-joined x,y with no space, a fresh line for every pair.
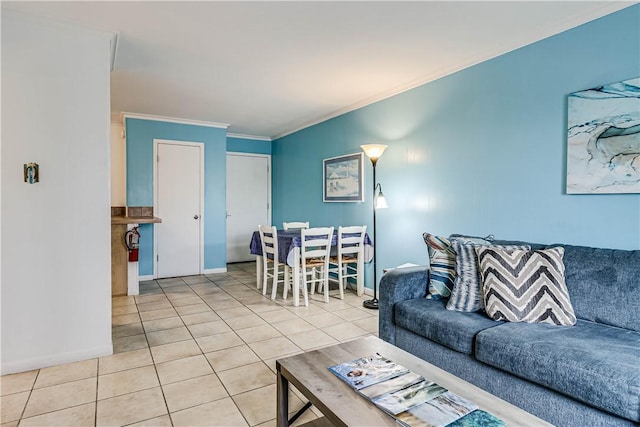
582,375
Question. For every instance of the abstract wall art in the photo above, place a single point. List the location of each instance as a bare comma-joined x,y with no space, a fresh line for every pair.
603,139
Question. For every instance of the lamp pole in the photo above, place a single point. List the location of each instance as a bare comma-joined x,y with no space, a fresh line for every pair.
373,303
374,151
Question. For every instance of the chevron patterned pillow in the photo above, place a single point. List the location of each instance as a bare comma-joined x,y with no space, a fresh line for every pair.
525,285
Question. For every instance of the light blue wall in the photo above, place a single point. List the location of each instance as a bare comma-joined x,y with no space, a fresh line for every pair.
480,151
140,136
245,145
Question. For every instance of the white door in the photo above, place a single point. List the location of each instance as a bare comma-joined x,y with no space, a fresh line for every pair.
179,192
248,200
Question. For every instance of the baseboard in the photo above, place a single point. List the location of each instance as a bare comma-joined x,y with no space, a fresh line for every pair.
353,287
53,360
215,270
206,271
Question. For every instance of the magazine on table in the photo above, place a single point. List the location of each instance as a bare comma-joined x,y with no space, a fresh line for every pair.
437,412
408,397
367,371
391,385
478,418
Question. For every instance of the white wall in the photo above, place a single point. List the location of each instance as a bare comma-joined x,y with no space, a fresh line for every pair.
118,166
56,276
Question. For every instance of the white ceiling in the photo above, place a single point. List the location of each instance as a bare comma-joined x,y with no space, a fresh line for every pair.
269,68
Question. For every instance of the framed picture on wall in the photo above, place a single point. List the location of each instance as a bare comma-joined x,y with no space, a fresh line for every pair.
603,143
343,178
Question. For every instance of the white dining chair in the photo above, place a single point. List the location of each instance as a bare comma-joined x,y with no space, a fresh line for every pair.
271,265
350,251
295,225
315,251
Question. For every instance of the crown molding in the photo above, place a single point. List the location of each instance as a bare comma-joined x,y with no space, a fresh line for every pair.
243,136
125,115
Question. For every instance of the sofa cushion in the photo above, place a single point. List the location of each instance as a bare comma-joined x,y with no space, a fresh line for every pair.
604,285
430,319
591,362
525,285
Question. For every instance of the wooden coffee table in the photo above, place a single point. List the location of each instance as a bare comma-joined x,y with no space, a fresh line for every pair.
342,406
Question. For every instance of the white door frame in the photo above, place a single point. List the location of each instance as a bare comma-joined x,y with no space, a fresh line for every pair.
268,157
269,204
200,146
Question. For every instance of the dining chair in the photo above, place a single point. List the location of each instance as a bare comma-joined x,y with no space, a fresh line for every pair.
295,225
271,265
350,250
315,250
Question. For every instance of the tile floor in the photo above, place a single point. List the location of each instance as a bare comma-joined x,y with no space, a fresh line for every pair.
190,351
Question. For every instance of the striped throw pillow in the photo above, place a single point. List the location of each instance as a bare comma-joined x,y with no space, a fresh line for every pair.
525,285
442,266
466,294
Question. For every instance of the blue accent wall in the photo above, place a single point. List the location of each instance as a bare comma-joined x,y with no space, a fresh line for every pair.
480,151
140,135
245,145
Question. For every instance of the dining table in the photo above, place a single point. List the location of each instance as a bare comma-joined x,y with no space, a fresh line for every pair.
289,243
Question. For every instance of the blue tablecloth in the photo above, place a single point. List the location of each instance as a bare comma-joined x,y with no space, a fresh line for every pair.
288,240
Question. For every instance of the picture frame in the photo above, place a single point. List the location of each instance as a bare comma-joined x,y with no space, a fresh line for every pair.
343,178
603,139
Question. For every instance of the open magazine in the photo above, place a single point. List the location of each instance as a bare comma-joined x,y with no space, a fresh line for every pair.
410,398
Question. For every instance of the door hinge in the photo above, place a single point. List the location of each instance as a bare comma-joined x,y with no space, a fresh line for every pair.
157,257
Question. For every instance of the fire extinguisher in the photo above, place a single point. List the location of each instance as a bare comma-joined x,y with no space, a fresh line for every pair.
131,240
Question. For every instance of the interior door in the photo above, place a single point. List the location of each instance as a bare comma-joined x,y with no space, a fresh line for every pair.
179,192
248,200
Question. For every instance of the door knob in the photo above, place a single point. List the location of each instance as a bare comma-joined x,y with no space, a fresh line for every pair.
196,217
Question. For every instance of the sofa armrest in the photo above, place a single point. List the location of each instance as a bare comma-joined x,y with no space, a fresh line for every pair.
397,285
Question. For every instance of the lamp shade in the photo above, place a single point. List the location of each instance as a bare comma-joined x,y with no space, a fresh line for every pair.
381,201
373,151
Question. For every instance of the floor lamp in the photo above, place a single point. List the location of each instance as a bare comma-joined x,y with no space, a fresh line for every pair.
374,151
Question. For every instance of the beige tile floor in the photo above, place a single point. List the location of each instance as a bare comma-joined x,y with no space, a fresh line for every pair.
190,351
